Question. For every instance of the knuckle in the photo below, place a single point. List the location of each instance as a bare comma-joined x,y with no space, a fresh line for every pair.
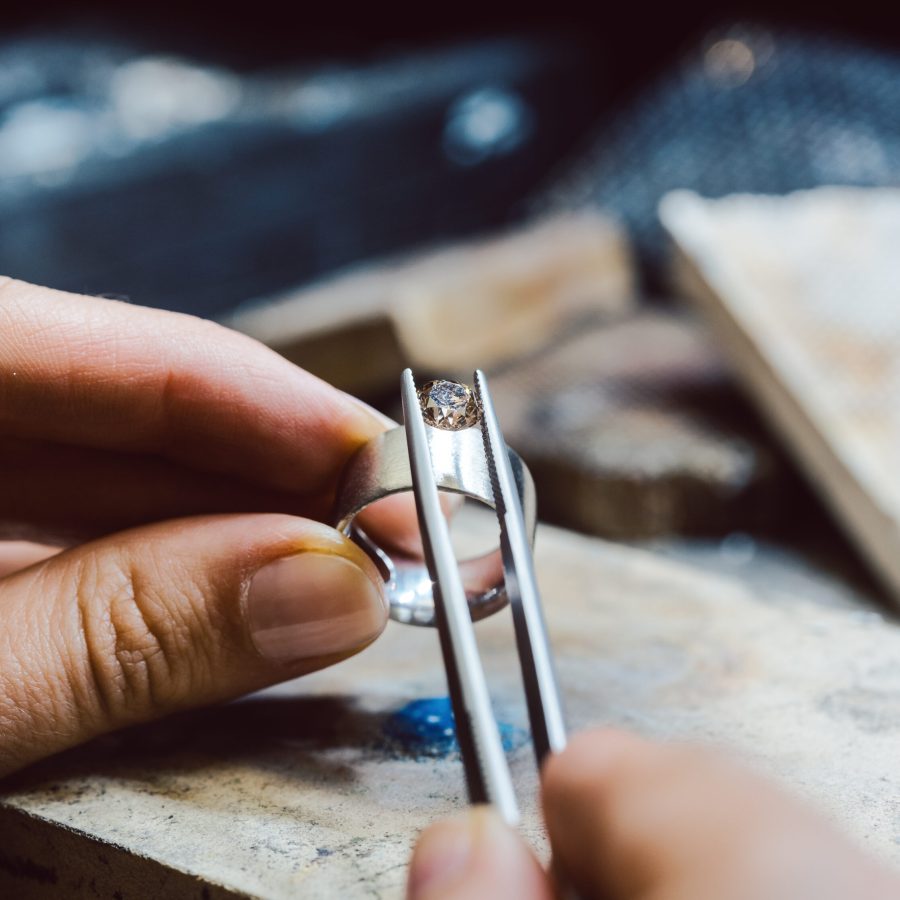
137,660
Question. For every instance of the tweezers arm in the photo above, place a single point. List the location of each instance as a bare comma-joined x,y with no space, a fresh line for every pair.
487,772
535,656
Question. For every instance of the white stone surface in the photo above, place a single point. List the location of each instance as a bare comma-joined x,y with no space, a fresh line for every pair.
285,795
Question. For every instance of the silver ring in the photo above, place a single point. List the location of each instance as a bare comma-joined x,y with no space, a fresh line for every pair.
381,469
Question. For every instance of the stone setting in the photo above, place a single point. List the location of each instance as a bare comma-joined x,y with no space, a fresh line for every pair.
449,405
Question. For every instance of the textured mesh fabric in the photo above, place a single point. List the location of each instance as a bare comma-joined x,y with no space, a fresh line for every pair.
748,110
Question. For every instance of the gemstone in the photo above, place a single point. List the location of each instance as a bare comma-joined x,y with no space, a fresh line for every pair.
449,405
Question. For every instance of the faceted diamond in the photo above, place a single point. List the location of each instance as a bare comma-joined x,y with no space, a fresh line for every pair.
448,405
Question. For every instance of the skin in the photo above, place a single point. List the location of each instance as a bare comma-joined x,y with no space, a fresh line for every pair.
152,464
633,820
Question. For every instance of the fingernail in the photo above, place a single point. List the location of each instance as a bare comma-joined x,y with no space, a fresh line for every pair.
313,604
448,851
379,416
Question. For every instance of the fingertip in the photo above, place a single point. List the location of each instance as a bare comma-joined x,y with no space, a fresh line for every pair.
380,421
474,855
580,789
310,536
313,595
441,854
393,522
590,757
357,421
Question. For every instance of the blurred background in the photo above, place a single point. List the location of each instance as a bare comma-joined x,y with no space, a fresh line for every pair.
363,189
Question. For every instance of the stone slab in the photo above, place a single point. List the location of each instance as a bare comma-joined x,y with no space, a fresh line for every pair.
802,290
318,788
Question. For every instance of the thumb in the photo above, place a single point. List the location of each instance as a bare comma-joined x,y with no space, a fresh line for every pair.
475,856
170,616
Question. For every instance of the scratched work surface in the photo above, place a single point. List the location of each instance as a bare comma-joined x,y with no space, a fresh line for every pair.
804,292
318,788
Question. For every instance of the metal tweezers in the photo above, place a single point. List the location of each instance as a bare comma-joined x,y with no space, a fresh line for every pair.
486,768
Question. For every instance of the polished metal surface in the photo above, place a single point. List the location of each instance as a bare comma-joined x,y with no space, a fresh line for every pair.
545,712
381,468
473,461
487,772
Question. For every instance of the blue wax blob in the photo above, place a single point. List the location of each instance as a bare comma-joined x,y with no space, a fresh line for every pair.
424,728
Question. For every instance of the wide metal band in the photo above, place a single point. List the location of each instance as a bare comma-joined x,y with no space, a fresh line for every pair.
381,468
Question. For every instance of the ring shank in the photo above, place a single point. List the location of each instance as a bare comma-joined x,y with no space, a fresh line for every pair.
381,469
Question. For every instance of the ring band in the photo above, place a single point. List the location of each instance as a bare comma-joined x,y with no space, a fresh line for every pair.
381,469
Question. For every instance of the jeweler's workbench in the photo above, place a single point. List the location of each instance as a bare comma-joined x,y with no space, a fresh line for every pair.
319,787
710,379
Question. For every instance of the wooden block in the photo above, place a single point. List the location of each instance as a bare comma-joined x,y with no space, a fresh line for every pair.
633,427
803,292
452,309
318,788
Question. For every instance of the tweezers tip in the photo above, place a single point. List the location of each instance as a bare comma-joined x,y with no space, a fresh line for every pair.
407,382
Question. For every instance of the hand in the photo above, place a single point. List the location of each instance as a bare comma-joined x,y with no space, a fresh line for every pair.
184,466
642,821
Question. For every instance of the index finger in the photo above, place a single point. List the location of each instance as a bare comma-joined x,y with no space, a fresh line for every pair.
631,818
103,373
